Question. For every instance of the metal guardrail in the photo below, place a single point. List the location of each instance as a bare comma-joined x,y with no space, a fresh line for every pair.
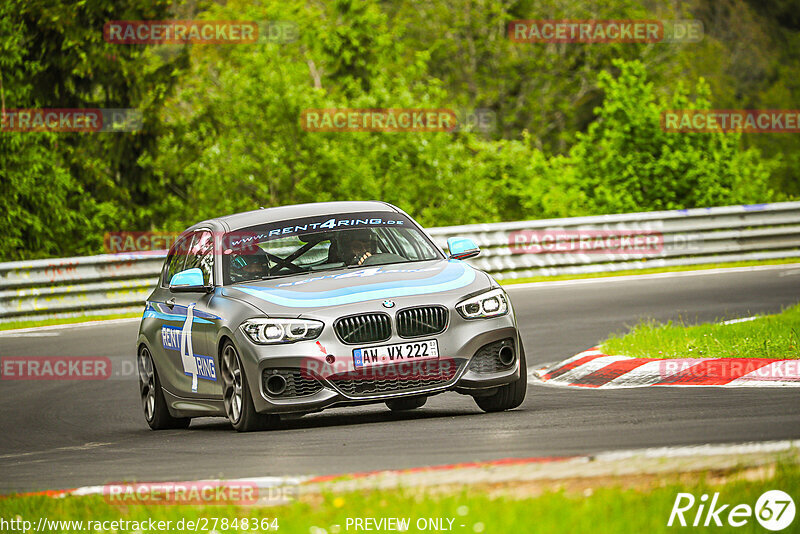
111,283
687,237
91,285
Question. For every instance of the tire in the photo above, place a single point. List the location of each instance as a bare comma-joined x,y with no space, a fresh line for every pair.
236,394
405,404
154,405
511,395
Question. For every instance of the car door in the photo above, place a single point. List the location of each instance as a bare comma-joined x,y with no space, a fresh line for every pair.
188,329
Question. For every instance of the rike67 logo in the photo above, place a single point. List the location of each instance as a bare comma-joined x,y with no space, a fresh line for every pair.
774,510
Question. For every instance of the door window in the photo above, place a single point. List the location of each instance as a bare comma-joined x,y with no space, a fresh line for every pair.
176,259
201,255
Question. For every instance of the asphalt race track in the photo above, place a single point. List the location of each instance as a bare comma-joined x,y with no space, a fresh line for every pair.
62,434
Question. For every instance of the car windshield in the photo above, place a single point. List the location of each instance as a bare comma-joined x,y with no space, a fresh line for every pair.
315,244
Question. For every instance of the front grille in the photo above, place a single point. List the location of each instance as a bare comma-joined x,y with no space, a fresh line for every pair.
422,321
364,328
391,379
487,359
298,383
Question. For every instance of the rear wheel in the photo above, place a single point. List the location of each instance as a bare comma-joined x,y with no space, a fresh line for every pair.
236,394
509,396
154,404
404,404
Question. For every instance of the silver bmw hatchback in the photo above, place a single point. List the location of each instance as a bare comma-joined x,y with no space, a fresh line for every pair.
294,309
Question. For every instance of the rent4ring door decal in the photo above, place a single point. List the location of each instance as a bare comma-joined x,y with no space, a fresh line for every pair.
180,339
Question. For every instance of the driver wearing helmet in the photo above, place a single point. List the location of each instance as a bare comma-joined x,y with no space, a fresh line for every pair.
358,245
250,266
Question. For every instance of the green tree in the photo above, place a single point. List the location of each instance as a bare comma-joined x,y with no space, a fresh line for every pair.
626,162
55,56
235,132
37,192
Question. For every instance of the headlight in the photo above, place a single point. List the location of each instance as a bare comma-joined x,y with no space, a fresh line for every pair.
270,331
489,304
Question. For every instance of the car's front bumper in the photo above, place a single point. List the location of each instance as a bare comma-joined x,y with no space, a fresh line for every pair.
459,346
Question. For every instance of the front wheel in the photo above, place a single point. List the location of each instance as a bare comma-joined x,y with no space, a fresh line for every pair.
154,404
236,394
509,396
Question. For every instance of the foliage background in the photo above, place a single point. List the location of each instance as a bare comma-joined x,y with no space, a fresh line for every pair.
578,128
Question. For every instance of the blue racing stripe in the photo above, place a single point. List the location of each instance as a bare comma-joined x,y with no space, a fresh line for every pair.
454,276
151,312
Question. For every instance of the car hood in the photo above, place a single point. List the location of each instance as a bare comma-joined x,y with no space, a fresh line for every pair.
344,287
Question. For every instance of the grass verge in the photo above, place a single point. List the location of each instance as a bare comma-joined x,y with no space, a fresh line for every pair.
653,270
608,507
767,336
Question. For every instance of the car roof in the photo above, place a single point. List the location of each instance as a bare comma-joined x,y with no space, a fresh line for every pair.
281,213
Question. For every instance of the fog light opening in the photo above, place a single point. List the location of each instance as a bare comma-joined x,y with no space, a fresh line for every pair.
275,385
506,355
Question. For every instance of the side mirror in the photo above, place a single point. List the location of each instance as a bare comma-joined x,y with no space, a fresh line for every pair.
462,248
188,281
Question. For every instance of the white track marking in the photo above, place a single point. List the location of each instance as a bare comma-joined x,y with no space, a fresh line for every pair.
274,482
562,363
588,368
787,370
85,446
110,322
742,320
651,373
38,334
644,375
88,490
701,450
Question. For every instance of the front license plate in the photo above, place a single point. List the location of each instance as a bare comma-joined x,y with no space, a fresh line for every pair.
399,352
